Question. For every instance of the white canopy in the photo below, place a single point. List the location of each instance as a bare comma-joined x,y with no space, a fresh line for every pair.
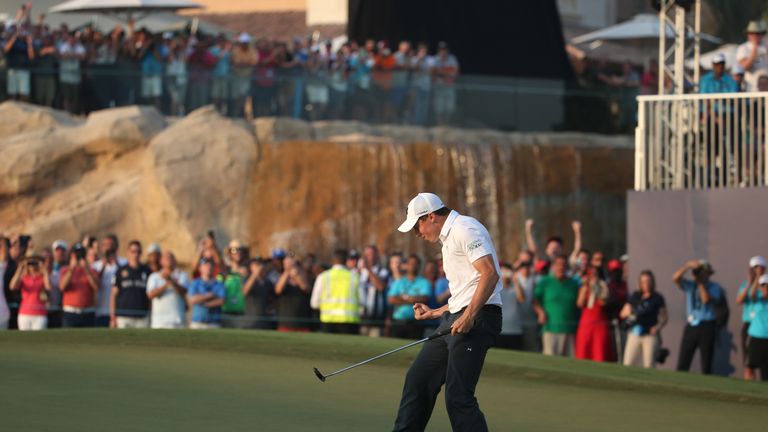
728,50
642,26
124,9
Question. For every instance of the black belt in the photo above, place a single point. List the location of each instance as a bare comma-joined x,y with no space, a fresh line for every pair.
490,308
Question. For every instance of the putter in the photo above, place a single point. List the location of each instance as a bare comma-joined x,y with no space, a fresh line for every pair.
435,335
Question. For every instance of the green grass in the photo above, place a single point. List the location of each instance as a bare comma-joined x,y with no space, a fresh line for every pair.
263,381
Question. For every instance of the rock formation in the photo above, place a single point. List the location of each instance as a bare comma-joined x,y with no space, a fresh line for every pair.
287,183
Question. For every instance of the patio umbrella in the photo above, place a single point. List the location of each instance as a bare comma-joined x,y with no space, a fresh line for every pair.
124,9
728,50
642,26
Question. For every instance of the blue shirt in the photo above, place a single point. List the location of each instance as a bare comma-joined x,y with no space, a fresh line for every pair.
697,310
223,63
201,313
710,84
150,65
419,287
758,328
747,311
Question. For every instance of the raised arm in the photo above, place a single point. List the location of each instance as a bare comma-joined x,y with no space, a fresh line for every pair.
677,277
576,225
529,237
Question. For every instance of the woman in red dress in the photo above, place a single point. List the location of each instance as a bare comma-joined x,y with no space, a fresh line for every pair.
593,337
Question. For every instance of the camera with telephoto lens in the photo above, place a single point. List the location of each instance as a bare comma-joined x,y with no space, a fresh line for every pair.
79,251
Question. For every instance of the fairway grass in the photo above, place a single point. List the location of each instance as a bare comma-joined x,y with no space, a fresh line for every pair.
75,380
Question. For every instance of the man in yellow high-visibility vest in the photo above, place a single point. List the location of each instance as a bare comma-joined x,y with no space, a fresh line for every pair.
337,295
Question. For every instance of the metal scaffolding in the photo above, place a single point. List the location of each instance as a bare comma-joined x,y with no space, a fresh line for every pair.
683,20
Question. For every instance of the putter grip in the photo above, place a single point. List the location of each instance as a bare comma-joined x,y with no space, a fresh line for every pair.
440,333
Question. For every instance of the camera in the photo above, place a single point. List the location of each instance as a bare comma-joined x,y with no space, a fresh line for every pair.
24,240
661,355
79,251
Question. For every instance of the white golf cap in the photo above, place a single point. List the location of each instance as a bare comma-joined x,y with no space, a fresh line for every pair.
763,279
244,38
718,58
153,248
756,261
59,244
422,204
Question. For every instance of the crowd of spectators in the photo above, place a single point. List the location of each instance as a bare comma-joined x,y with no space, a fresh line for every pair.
85,69
576,305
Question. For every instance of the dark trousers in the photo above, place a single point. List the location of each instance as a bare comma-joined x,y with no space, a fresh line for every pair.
455,361
702,337
351,329
77,320
758,356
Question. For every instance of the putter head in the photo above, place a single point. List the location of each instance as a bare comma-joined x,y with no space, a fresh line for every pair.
319,375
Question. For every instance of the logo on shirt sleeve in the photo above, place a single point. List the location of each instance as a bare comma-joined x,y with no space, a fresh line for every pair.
474,245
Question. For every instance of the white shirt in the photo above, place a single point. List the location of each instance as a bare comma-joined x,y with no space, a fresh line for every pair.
168,308
105,285
465,240
760,64
5,313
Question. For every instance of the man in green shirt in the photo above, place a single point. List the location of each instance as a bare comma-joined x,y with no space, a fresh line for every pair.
555,304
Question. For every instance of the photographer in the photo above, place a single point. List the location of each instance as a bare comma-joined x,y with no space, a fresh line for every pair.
79,285
33,281
758,331
258,292
701,295
645,314
293,291
233,278
749,295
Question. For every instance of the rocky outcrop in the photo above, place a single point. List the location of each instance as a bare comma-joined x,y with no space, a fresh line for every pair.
287,183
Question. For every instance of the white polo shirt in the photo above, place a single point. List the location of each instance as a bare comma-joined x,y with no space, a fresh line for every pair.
465,240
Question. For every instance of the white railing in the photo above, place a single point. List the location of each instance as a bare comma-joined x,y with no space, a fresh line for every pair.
701,141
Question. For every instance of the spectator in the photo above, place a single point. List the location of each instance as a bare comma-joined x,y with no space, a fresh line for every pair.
258,292
176,77
7,270
153,257
752,55
384,64
555,305
748,296
220,94
403,294
442,293
400,79
107,268
717,81
701,295
208,250
19,52
199,66
152,54
593,336
524,280
34,282
598,264
233,279
737,73
649,82
167,288
129,305
421,80
512,298
101,72
645,314
758,331
16,251
244,59
206,296
374,281
92,253
318,92
79,286
264,88
336,294
44,78
617,298
444,72
58,261
71,53
292,292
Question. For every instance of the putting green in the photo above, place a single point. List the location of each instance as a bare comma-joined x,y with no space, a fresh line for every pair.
262,381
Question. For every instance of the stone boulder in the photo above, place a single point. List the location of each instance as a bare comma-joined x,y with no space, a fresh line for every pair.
22,117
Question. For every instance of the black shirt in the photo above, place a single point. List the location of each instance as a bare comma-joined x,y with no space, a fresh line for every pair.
257,304
646,310
132,300
293,310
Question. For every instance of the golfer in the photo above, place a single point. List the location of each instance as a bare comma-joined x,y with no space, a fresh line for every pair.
473,314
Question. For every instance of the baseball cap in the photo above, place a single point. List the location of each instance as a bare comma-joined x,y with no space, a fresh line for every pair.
153,248
756,261
738,69
706,266
244,38
278,253
59,244
763,279
718,58
422,204
206,261
354,254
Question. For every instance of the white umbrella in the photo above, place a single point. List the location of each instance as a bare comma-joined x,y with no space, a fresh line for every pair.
123,8
642,26
728,50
